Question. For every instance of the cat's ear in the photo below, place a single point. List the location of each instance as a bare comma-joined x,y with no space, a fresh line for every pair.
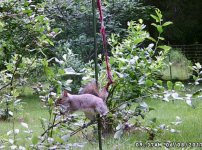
65,93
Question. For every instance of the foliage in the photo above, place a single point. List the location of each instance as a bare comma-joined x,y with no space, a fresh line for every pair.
75,20
26,48
25,30
24,39
27,57
119,12
135,62
67,59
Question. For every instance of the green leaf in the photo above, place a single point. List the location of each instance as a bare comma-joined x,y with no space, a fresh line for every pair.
59,140
164,47
169,85
26,4
40,18
50,101
27,11
35,139
1,26
138,40
160,29
50,42
61,71
155,25
152,39
158,12
161,38
160,82
178,86
155,18
111,61
167,23
49,72
56,30
149,83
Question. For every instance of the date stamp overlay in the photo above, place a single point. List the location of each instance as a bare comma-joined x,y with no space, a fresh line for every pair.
169,144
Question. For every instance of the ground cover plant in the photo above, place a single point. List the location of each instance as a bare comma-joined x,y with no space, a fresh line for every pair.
36,67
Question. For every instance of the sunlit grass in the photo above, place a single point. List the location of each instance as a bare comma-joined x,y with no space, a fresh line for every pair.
190,129
31,114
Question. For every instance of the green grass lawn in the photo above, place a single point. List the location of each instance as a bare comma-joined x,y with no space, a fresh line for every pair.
190,129
31,115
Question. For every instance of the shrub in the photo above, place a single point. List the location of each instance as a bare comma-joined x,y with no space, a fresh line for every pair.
135,61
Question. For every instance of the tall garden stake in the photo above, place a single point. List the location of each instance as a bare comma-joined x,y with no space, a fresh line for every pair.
96,69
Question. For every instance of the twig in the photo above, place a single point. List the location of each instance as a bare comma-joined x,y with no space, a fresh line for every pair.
54,125
83,127
87,137
5,86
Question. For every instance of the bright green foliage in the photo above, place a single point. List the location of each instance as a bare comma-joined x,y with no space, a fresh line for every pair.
136,63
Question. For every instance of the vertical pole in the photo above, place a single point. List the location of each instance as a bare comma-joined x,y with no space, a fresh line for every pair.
95,39
99,126
96,70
